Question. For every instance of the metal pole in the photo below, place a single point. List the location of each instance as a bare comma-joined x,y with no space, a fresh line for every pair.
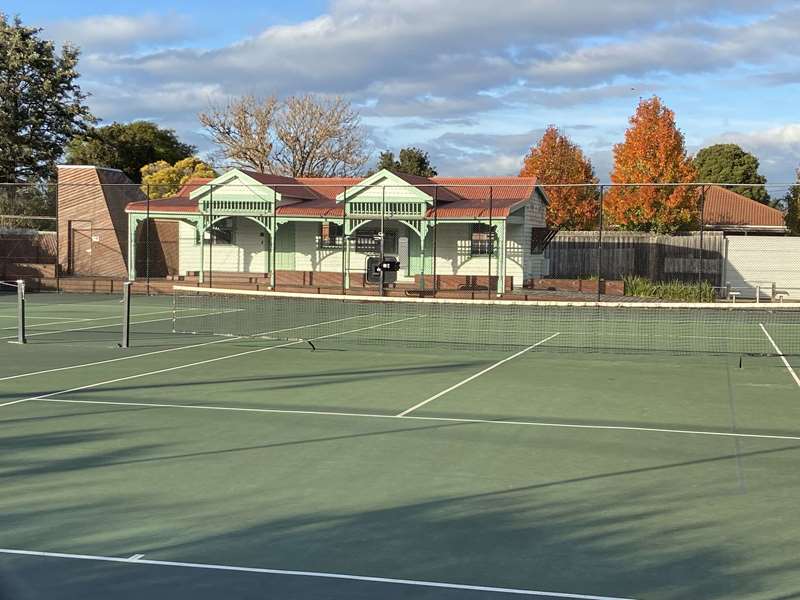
491,247
126,314
600,245
383,247
210,236
273,244
147,243
702,229
21,339
435,217
58,246
345,241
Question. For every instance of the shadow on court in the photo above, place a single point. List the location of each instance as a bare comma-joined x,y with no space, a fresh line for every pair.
625,532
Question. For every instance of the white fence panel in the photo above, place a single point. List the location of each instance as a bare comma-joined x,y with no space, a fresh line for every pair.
757,261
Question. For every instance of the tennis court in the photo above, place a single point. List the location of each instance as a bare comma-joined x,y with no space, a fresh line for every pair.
421,450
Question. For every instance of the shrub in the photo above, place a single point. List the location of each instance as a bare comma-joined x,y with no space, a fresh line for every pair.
668,290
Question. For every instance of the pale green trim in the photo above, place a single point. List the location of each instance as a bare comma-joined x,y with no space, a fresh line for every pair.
375,180
224,179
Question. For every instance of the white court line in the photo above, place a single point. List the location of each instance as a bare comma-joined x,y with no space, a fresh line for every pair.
783,358
388,580
116,324
40,318
202,362
475,376
79,320
111,360
325,413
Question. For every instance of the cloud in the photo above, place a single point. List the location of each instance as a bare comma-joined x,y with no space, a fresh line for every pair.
442,63
475,154
434,71
119,33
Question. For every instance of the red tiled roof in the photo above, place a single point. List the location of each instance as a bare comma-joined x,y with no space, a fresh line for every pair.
176,204
474,194
457,197
726,207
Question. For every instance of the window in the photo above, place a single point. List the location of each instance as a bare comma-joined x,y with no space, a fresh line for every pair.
330,236
482,240
541,238
368,242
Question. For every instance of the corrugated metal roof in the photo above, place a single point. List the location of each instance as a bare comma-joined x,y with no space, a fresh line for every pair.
726,207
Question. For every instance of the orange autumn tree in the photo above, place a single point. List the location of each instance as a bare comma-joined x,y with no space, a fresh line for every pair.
653,152
556,159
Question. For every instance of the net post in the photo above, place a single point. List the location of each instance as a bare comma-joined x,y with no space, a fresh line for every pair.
21,339
126,314
174,312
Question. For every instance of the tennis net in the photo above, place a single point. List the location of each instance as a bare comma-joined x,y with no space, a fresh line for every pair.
334,320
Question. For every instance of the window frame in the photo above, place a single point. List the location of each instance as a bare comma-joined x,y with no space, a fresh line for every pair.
365,242
330,242
482,239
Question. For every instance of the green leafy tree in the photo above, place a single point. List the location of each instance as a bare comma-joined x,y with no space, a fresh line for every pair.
728,163
128,147
792,202
41,104
412,160
161,179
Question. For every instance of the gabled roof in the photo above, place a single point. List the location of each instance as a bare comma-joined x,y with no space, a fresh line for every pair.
725,208
455,197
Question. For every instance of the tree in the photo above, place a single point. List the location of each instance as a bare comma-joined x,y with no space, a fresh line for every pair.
728,163
128,147
41,105
653,152
243,130
555,159
160,179
302,136
792,202
413,161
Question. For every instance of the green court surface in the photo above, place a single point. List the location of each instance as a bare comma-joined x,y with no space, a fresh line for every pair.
198,466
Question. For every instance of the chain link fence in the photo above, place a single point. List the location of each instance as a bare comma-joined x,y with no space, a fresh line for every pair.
453,238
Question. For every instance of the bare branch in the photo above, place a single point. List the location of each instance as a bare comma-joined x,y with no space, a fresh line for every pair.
243,129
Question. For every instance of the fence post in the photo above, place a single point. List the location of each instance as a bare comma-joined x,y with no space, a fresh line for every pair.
600,246
700,271
491,248
147,225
